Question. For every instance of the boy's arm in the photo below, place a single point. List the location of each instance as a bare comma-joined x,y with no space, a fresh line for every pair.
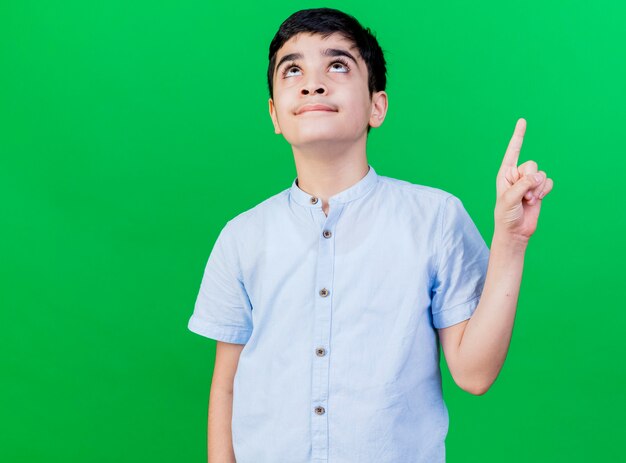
475,349
220,443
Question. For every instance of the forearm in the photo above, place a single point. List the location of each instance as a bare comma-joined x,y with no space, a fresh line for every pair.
220,443
485,342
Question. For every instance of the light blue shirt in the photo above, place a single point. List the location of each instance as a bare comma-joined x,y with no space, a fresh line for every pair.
338,316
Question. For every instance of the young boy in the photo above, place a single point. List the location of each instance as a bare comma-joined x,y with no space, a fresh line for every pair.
329,300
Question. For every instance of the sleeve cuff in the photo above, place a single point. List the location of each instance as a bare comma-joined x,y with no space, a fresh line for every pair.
222,333
455,314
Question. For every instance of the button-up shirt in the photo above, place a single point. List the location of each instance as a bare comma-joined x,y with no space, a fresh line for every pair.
338,315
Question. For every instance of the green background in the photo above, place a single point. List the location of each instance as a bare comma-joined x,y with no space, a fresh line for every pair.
130,132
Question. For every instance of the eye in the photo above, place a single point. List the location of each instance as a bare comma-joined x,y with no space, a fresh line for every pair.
340,65
288,68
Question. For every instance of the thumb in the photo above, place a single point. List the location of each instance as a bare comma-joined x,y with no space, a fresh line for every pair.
521,187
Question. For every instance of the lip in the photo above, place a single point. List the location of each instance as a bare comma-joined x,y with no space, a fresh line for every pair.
315,107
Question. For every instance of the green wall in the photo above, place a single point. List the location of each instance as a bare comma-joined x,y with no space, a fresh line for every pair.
130,132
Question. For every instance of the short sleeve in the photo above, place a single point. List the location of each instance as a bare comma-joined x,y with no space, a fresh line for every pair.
222,310
460,274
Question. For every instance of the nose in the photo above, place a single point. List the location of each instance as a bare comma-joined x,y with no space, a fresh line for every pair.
313,88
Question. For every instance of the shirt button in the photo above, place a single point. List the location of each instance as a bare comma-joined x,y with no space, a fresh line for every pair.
313,200
323,292
320,351
320,410
327,234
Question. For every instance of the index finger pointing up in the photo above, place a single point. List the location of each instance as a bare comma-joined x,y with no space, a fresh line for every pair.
515,145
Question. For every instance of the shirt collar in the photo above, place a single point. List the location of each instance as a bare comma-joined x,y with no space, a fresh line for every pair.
350,194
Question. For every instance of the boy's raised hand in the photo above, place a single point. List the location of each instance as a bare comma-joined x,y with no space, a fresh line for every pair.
520,190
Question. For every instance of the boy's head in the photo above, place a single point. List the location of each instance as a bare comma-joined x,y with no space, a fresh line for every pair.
324,56
326,21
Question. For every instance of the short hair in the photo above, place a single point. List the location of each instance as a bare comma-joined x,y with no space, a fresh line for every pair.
326,21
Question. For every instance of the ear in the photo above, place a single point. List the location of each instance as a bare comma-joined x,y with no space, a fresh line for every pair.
273,116
379,108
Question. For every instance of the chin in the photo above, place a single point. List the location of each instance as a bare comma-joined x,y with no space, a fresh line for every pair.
312,133
317,137
318,132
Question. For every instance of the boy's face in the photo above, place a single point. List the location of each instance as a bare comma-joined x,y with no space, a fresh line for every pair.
319,77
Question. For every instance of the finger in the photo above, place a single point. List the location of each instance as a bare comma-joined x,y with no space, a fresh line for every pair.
518,191
512,175
549,183
528,168
515,144
542,183
538,192
534,192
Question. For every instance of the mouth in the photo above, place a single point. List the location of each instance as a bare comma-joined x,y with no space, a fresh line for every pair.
309,108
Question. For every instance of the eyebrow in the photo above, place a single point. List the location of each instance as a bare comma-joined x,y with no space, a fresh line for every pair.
327,52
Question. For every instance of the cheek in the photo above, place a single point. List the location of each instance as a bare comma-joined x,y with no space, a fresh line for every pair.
360,112
280,108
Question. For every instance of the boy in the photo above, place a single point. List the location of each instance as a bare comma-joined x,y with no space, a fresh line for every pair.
330,299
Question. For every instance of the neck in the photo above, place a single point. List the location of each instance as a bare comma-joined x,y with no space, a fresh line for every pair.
326,169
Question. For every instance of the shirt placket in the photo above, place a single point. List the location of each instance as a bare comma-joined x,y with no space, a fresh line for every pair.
321,336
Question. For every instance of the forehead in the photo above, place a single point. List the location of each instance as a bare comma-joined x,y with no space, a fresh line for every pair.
307,43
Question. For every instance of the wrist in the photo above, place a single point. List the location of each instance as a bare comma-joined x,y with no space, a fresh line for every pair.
509,240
